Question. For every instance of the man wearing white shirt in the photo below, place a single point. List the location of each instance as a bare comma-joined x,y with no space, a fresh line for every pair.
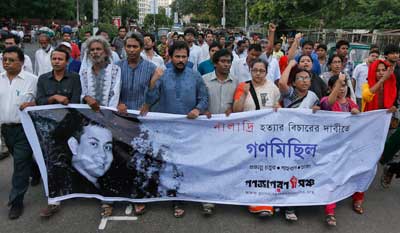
274,72
205,55
14,40
241,67
360,74
148,52
42,56
195,51
17,91
240,50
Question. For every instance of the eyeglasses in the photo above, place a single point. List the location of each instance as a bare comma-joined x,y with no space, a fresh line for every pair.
307,78
255,71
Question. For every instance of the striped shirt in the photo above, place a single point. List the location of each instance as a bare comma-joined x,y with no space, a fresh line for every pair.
135,82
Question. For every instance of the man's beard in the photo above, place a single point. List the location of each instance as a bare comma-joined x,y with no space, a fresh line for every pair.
98,59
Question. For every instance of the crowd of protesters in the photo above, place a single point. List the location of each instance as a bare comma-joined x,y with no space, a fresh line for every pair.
211,73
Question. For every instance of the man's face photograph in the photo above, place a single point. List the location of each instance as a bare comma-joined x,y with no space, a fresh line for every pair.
93,153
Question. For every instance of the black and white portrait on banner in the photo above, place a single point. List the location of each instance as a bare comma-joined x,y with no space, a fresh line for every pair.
101,153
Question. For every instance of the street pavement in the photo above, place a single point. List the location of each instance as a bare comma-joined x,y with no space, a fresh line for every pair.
382,214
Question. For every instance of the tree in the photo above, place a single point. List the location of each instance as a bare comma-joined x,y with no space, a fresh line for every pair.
161,21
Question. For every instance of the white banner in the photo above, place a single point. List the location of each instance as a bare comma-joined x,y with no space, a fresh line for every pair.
291,157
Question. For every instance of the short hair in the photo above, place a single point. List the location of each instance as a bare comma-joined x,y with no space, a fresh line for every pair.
100,31
213,45
240,42
101,40
374,51
340,43
259,60
256,47
61,50
16,38
121,27
17,50
295,70
136,36
391,48
189,30
201,34
209,32
332,80
221,53
153,39
177,45
278,42
330,60
322,46
307,42
90,32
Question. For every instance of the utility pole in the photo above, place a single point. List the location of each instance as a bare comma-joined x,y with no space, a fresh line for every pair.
77,13
223,14
154,15
95,16
245,17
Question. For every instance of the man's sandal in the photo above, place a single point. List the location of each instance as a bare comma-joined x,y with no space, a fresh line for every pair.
208,209
106,210
139,209
178,211
330,220
357,207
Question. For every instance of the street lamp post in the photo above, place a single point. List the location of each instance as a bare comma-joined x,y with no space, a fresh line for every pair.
223,14
95,16
245,17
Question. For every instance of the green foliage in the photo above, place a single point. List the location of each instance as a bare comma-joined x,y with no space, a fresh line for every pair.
111,29
161,21
368,14
66,9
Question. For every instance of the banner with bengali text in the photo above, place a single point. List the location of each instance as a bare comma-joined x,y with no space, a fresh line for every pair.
291,157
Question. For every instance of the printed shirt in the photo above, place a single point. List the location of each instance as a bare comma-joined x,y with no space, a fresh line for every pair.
104,87
12,94
135,82
179,92
291,96
268,96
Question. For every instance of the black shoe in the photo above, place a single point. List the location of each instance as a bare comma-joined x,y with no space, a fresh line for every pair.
16,211
4,155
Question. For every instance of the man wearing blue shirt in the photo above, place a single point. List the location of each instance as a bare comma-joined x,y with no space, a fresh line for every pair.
180,90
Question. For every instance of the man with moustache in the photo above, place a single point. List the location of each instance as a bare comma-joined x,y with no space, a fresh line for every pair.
58,87
149,54
17,91
180,90
101,82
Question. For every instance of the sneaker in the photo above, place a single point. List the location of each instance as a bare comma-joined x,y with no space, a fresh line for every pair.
49,211
16,211
386,177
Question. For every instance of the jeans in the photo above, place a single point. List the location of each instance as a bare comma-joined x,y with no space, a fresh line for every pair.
19,147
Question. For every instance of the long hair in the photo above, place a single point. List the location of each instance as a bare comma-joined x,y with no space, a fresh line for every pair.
104,42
